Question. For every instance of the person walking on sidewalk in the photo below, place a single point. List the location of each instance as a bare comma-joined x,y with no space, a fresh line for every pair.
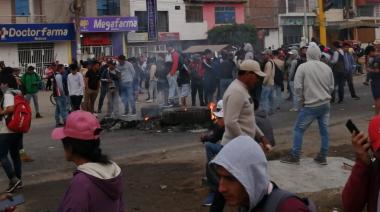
126,85
173,74
10,142
92,85
60,97
31,82
267,93
313,85
75,84
97,184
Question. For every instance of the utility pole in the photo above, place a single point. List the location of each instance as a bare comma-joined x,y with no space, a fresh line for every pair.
322,22
77,6
306,30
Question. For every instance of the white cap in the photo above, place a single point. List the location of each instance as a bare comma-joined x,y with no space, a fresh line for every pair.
219,109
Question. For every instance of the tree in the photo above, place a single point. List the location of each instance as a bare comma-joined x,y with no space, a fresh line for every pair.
235,34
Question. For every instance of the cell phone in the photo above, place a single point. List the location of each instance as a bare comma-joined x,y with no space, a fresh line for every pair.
352,127
14,201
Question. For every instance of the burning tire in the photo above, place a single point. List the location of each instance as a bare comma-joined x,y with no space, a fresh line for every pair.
188,116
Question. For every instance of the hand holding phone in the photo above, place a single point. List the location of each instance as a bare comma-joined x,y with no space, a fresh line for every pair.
352,127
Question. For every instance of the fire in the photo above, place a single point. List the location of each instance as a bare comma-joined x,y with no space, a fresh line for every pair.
146,118
185,109
212,107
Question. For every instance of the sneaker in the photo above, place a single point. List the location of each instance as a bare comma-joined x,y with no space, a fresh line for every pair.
320,160
59,125
125,114
209,199
365,83
356,97
13,186
133,115
293,110
25,157
38,116
291,159
149,101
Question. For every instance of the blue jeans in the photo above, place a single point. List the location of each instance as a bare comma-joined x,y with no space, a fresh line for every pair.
277,97
60,108
267,100
305,117
173,88
12,143
212,149
223,85
127,96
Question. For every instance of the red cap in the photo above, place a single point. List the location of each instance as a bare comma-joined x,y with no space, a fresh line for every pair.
80,125
374,132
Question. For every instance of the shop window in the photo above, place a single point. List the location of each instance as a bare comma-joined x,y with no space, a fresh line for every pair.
162,22
194,14
108,7
292,34
224,15
22,7
340,4
366,11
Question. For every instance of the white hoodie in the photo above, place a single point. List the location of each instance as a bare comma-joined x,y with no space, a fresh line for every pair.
314,80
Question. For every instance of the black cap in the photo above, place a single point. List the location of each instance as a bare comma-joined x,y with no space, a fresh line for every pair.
73,66
121,57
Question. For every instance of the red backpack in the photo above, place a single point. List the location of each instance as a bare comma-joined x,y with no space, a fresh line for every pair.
20,120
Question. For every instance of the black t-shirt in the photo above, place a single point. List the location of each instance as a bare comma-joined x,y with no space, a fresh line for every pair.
374,63
93,79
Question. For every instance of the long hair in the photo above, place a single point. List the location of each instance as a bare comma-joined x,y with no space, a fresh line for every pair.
88,150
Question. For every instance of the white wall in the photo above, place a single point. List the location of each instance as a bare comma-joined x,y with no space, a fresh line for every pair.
62,52
8,54
272,40
177,18
377,33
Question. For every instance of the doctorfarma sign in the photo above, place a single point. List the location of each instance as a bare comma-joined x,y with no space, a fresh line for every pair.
36,32
108,24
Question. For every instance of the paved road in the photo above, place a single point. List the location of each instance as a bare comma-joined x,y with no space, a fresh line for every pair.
120,145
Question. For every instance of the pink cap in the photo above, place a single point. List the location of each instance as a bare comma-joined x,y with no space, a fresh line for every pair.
80,125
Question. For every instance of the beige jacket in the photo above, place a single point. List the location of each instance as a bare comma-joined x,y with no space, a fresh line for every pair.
239,115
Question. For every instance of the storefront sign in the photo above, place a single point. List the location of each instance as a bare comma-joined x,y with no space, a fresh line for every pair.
151,8
135,37
108,24
93,39
36,32
168,36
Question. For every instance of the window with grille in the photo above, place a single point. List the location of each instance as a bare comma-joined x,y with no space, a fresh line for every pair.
194,14
225,15
22,7
108,7
377,11
366,11
162,22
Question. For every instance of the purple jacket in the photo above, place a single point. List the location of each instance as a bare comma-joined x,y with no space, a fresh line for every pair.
89,193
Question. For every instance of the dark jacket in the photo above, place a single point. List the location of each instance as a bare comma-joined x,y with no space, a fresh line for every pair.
215,135
226,69
362,188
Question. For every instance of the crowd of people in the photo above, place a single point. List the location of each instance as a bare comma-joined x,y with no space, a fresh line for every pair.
249,88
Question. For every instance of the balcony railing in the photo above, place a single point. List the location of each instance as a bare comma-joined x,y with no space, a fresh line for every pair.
22,19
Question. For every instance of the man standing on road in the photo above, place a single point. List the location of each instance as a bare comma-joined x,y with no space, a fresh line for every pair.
75,84
349,67
267,100
31,82
339,71
227,68
126,85
172,76
373,69
92,85
60,97
313,84
238,105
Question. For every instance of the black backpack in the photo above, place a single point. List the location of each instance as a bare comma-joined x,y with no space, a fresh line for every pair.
278,76
338,67
278,196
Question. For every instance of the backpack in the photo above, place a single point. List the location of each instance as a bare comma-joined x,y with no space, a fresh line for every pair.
338,67
278,77
20,120
278,196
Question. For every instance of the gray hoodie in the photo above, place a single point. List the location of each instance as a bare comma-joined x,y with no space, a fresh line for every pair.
245,160
314,80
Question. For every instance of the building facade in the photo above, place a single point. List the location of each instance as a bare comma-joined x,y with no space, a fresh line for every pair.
183,23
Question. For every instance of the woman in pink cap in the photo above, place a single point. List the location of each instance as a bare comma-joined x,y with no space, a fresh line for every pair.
363,187
97,183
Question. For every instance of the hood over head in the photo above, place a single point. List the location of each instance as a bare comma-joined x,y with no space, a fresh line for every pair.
248,47
106,177
313,52
245,160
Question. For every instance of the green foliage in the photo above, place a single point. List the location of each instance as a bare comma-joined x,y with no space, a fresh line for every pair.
233,34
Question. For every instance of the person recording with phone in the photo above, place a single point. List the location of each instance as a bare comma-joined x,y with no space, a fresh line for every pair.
363,186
